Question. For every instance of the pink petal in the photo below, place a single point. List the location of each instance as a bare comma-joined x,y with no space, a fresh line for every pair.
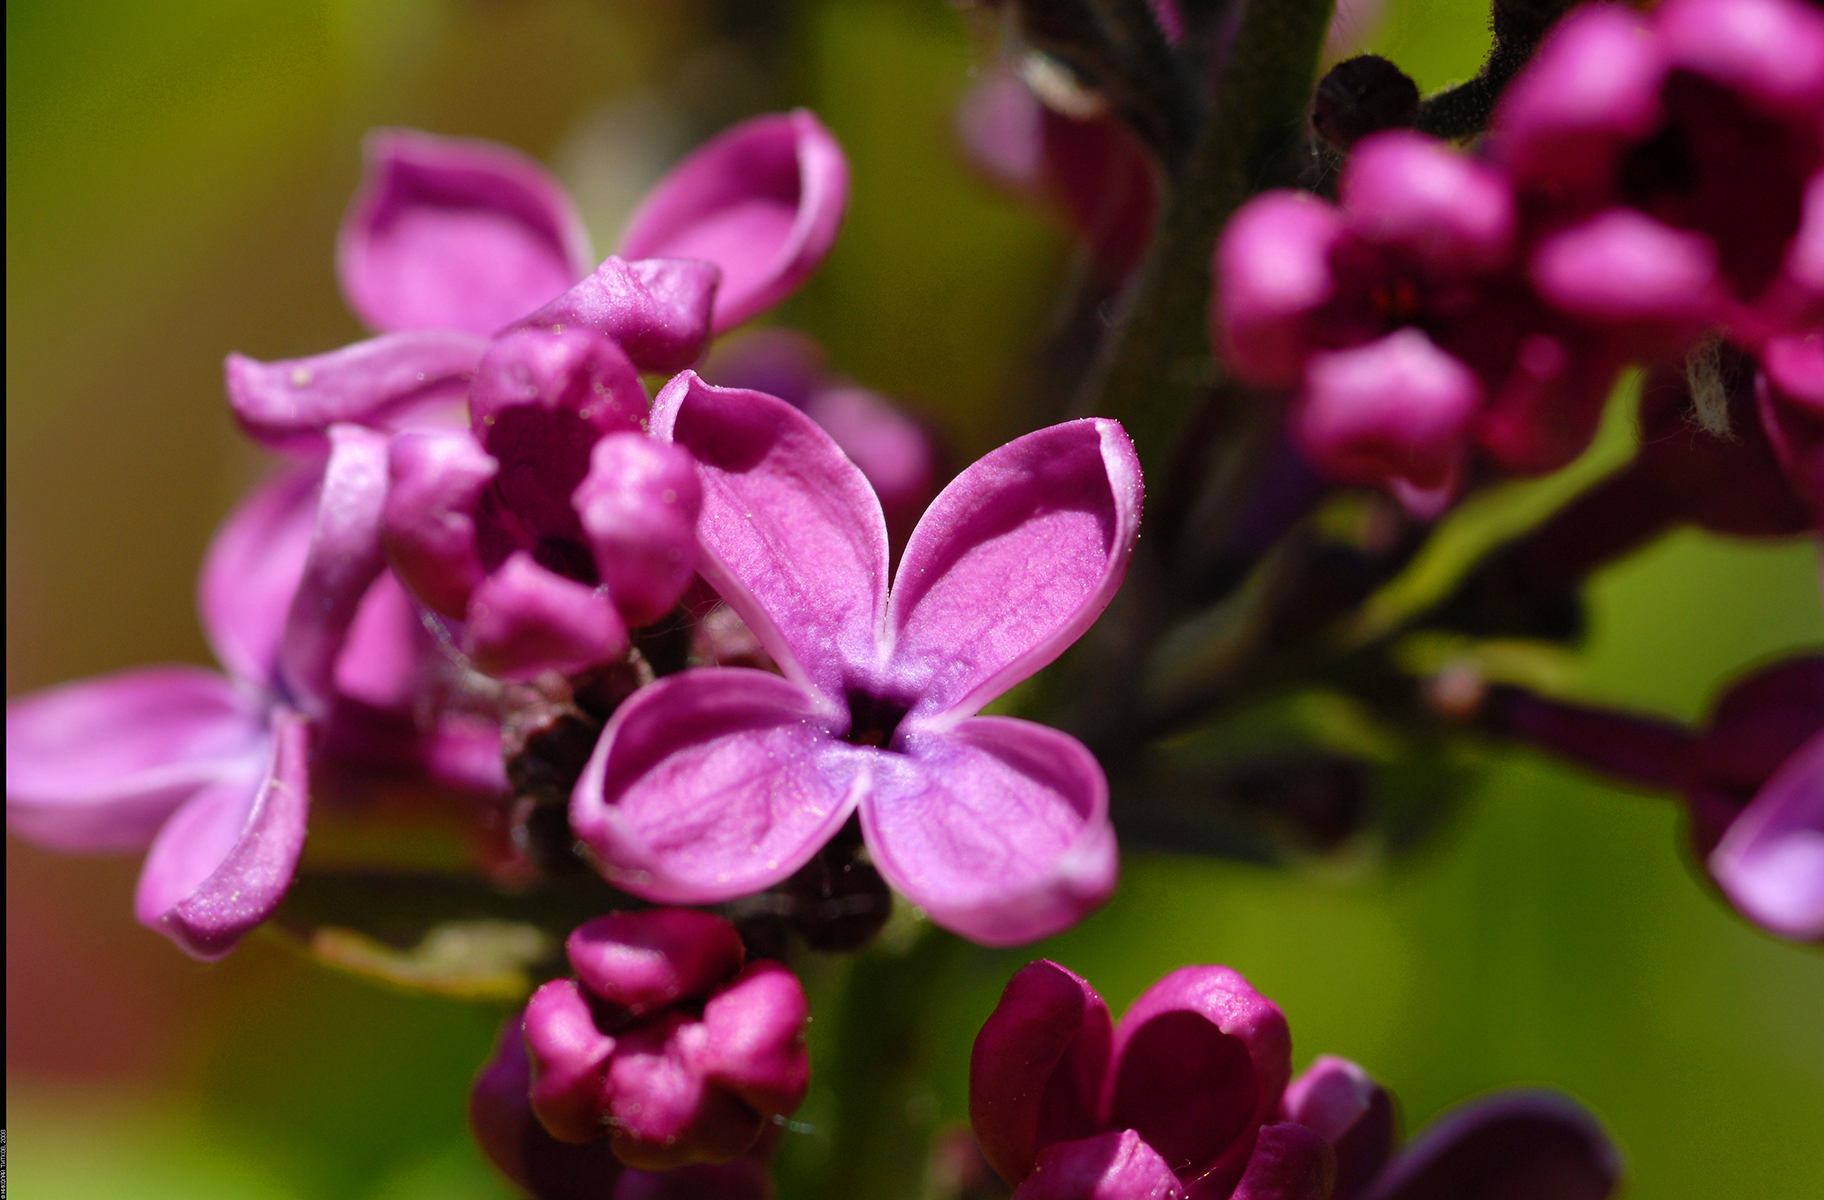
1290,1162
1623,267
1272,274
791,534
712,784
1038,1069
289,404
344,560
1404,189
252,569
1395,408
1114,1166
1343,1104
500,1114
1011,564
755,1039
1533,1144
448,233
1771,862
525,619
572,373
998,828
656,309
435,486
568,1057
222,863
380,661
1201,1060
662,1111
640,961
101,764
1593,86
639,506
1771,50
762,201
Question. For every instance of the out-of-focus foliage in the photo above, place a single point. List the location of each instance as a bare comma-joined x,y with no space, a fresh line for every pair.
174,177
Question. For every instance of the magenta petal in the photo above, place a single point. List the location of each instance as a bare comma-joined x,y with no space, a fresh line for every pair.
574,374
998,828
762,201
435,485
1771,862
712,784
500,1114
1272,274
1343,1104
345,558
568,1056
101,764
382,658
1622,266
223,862
1290,1162
524,619
1011,563
792,535
1395,408
755,1039
640,961
1533,1144
639,506
454,234
1451,212
252,568
1114,1166
656,309
290,403
1037,1071
1201,1060
1771,50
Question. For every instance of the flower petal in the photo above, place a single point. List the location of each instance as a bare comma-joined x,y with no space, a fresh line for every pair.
1037,1071
998,828
500,1114
791,533
1290,1162
435,482
1201,1060
252,570
447,233
102,763
525,619
638,506
1771,862
289,404
755,1039
762,201
1771,50
1272,273
1407,190
1011,564
1621,267
640,961
1113,1166
1533,1144
655,309
344,560
711,784
222,863
1343,1104
381,660
568,1056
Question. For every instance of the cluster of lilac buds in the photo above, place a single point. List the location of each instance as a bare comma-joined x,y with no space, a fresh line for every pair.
1190,1096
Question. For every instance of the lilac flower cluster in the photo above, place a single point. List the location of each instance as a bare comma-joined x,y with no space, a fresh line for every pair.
1190,1096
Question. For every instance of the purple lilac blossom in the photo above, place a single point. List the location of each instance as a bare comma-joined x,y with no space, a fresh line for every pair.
664,1042
209,773
1629,138
895,453
1068,1106
1789,393
1753,781
719,782
1398,320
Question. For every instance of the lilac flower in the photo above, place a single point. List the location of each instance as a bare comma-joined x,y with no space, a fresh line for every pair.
719,782
211,773
1401,326
1753,781
664,1042
1789,393
1521,1143
1630,136
1170,1102
893,451
500,1114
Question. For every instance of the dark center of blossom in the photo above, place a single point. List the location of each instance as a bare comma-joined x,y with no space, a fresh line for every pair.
873,720
1397,300
543,456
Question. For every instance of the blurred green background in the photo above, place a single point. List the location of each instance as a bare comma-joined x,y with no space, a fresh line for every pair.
174,178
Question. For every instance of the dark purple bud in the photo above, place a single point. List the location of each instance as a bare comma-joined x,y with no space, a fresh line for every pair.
1534,1144
1360,96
